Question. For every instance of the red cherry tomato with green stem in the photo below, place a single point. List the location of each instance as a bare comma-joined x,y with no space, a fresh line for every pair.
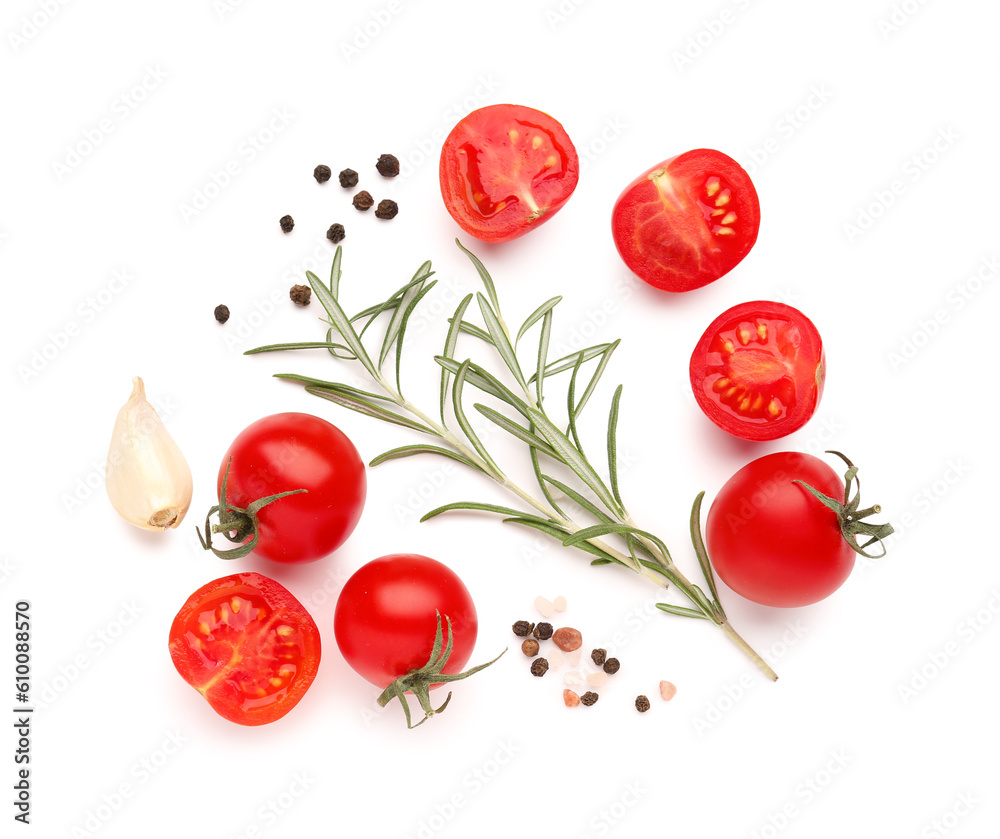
287,453
775,542
387,621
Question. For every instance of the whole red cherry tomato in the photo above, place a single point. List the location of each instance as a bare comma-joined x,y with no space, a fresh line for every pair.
758,370
287,452
248,646
686,221
398,614
773,541
505,169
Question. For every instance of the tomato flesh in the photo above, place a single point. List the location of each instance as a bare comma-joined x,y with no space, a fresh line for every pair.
772,541
289,451
386,617
759,369
505,169
687,221
248,646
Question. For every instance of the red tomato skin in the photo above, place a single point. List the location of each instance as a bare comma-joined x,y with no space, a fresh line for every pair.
770,540
507,166
666,236
208,668
297,451
385,617
806,373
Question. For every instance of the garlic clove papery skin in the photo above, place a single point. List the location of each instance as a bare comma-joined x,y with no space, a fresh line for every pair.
147,477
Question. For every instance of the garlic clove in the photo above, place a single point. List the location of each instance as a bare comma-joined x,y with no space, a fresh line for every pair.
147,478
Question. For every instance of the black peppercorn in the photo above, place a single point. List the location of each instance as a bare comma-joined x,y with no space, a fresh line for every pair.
348,178
543,631
530,647
388,166
387,208
300,294
336,233
522,628
321,173
589,698
287,223
599,656
641,704
363,200
612,666
539,667
222,313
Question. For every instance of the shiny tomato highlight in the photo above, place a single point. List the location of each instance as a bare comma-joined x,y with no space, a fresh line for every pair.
759,369
506,169
687,221
248,646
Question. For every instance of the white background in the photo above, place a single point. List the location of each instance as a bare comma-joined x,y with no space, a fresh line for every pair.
827,105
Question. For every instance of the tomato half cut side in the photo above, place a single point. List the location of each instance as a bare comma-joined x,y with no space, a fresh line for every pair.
687,221
505,169
759,369
248,646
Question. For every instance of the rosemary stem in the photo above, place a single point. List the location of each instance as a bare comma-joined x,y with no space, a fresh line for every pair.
743,645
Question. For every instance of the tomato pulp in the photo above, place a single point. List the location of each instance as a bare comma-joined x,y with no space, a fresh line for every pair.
386,617
248,646
771,540
759,369
687,221
505,169
290,451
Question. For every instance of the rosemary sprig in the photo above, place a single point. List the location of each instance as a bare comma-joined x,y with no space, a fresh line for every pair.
611,537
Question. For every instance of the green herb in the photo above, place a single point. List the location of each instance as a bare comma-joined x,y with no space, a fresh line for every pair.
610,536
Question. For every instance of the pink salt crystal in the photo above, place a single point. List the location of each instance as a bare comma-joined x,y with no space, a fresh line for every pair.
668,690
571,698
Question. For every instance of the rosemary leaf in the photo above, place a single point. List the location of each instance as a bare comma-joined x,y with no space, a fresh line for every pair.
500,340
605,358
511,427
479,378
463,421
342,323
567,362
450,343
363,406
408,451
484,275
573,458
613,446
474,507
536,316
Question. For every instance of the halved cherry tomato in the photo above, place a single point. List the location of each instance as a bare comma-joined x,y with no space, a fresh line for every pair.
248,646
687,221
759,369
505,169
